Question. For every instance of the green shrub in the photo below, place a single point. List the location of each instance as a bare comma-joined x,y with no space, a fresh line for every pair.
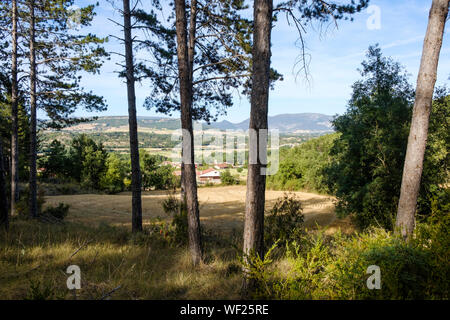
316,266
177,231
41,291
284,221
404,267
59,212
228,179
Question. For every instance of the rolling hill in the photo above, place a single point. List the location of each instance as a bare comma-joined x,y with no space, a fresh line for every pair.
285,123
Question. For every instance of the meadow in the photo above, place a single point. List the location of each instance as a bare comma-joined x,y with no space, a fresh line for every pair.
116,264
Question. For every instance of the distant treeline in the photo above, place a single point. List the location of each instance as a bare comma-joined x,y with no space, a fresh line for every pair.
112,140
88,164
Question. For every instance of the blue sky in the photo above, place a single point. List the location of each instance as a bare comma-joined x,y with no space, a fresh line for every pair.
336,53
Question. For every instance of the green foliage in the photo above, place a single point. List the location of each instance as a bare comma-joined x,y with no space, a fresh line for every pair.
40,290
94,167
436,174
258,269
113,179
59,212
210,97
64,56
284,222
368,157
177,231
80,147
302,167
5,129
404,267
55,161
155,175
227,179
316,266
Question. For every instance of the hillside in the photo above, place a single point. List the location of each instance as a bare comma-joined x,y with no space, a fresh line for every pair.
285,123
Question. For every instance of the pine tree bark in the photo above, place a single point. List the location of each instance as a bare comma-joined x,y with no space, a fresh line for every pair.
256,181
14,114
4,216
185,76
33,108
136,179
412,171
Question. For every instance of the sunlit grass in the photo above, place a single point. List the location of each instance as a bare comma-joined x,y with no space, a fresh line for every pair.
144,266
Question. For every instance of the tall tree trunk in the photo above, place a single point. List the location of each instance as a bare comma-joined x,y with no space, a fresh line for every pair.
191,56
189,177
4,217
136,179
256,180
14,115
417,140
33,107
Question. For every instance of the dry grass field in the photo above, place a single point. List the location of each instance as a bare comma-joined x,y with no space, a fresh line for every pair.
221,208
96,237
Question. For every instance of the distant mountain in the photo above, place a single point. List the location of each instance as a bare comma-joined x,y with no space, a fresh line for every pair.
285,123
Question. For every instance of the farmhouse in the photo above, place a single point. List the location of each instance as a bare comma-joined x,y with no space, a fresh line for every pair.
209,175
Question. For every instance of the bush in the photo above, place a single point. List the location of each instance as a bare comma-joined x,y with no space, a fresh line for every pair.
177,232
316,266
404,268
284,222
228,179
59,212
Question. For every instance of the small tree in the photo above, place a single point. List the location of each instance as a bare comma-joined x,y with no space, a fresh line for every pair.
366,172
116,170
54,161
94,167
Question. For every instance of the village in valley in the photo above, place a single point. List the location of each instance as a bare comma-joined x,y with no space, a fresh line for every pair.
210,174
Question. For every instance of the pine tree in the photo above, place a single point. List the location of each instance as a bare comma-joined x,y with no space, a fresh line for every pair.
210,44
136,179
56,56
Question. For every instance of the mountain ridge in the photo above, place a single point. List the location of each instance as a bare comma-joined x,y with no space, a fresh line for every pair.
285,123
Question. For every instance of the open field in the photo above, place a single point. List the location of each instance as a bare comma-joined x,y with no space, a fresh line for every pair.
221,208
115,264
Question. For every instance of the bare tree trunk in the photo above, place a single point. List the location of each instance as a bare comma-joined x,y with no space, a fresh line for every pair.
33,106
191,55
189,176
136,179
4,217
256,181
417,140
14,115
